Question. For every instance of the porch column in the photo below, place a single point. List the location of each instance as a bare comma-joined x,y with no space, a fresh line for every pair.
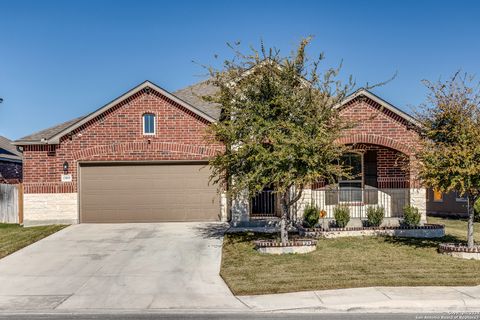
418,198
224,206
418,194
240,209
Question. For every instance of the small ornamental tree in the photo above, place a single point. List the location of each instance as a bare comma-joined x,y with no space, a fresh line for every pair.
450,157
278,124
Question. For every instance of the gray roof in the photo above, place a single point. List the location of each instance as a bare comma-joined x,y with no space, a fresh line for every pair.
193,95
50,132
190,97
8,151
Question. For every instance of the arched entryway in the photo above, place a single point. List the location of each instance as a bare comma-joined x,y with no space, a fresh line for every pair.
380,177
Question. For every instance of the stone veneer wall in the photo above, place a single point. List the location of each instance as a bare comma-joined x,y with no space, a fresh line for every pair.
50,208
240,210
418,198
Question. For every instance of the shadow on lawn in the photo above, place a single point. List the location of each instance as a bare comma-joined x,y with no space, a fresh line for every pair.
212,230
423,243
249,237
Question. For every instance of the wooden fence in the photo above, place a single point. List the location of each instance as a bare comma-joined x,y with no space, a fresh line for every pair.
11,203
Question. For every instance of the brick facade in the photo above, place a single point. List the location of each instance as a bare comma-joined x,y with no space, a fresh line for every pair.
181,134
117,135
390,133
390,163
395,140
376,125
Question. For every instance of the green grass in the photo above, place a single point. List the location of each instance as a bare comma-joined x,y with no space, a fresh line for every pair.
349,262
14,237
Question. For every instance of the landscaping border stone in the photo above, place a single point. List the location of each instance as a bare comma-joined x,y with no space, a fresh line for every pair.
425,231
460,250
293,246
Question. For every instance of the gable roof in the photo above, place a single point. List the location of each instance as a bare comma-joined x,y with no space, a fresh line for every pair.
364,92
193,95
53,134
49,132
190,98
8,151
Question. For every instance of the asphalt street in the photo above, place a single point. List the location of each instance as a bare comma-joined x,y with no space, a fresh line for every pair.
245,316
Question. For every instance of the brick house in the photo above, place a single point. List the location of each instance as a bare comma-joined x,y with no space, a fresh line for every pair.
383,142
449,204
139,158
10,162
142,158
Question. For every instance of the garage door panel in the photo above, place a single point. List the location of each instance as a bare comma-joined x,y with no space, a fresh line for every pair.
143,193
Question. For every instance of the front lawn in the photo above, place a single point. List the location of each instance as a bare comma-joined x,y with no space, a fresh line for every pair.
14,237
349,262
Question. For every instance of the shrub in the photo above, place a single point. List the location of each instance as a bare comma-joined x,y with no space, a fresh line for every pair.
342,216
476,208
411,216
375,216
311,214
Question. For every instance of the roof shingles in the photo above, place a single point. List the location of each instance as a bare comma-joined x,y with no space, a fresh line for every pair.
193,95
8,151
49,132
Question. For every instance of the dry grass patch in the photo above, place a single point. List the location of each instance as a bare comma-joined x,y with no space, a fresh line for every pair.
14,237
349,262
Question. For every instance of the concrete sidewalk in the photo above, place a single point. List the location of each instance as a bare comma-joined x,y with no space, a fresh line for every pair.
375,299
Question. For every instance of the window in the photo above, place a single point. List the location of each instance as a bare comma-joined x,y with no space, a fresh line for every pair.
437,196
351,189
149,123
460,198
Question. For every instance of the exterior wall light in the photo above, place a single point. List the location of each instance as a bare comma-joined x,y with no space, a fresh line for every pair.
65,167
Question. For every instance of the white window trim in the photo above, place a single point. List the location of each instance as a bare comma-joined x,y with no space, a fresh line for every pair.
154,124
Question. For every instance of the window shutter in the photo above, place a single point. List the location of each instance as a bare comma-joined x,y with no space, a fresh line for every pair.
370,168
371,177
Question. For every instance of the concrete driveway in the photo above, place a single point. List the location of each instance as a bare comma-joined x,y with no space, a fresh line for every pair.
119,266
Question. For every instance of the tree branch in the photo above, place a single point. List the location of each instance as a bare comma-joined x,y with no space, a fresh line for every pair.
297,197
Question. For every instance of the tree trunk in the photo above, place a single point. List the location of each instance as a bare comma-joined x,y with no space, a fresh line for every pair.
283,221
471,215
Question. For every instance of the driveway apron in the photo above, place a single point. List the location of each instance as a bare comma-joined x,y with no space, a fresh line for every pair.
119,266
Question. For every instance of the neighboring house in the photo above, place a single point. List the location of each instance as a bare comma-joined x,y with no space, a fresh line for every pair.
450,204
10,162
142,158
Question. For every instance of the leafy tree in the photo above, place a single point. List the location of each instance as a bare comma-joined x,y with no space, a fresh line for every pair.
450,157
278,124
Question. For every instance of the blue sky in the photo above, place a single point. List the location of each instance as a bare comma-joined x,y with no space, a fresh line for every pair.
63,59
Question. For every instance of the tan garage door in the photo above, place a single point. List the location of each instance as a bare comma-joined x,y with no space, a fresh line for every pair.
147,193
